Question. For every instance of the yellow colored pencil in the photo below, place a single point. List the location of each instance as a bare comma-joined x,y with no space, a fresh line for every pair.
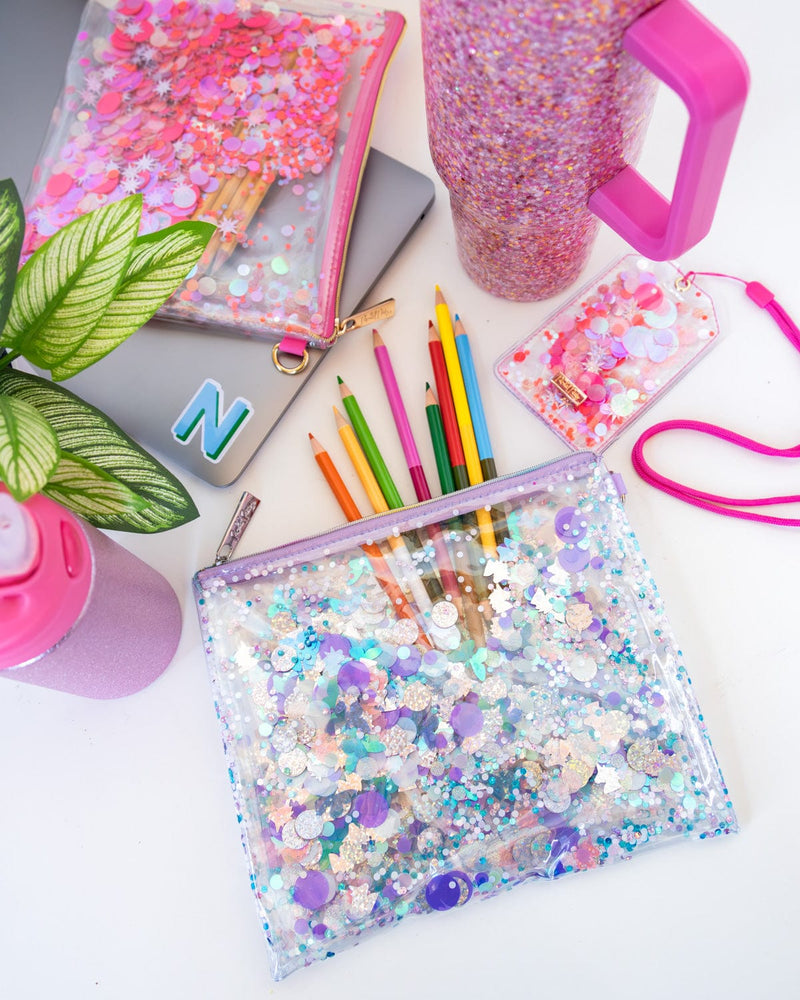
465,428
379,505
458,390
362,467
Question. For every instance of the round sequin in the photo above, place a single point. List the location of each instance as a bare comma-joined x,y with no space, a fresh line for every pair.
466,719
404,632
417,696
313,890
371,808
291,837
444,614
293,762
308,825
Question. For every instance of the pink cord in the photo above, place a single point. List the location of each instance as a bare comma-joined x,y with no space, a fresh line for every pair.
727,506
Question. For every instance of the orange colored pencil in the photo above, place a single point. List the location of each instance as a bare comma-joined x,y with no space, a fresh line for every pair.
335,481
383,573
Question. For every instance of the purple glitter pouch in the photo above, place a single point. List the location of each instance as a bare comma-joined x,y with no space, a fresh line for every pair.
255,116
605,356
393,752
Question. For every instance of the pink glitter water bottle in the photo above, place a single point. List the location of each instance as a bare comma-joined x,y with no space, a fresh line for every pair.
77,611
536,112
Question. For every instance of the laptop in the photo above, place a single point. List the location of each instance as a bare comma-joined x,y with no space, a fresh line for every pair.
208,401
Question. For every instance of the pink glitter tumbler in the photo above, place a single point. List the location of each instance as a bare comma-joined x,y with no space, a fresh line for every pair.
78,612
536,111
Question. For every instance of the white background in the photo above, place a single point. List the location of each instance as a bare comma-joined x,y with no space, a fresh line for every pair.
121,870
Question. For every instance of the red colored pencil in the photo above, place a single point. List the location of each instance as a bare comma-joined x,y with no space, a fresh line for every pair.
451,432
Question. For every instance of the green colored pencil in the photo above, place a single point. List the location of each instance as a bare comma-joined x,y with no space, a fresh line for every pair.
367,442
438,440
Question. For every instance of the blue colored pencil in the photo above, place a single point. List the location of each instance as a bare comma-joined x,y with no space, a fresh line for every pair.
485,453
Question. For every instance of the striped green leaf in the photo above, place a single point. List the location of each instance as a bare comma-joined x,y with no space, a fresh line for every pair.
66,286
28,448
91,492
12,228
87,434
159,263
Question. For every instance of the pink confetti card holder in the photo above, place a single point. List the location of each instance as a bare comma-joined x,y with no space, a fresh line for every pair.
606,355
252,115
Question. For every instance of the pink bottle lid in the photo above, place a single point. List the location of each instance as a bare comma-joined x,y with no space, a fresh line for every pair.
46,574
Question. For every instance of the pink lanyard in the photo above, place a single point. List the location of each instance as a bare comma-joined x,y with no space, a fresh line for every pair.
711,501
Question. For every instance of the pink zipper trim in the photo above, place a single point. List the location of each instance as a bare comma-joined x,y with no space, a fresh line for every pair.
349,179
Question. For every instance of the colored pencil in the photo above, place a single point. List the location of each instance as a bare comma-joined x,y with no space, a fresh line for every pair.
467,363
367,441
413,461
438,440
466,584
359,460
471,458
452,435
334,480
379,505
383,573
456,379
485,453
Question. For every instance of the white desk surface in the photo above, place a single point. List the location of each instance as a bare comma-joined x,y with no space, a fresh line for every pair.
121,870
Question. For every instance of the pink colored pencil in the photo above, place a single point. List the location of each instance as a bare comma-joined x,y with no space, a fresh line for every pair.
409,446
418,478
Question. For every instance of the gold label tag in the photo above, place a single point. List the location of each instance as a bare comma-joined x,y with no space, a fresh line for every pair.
382,310
567,388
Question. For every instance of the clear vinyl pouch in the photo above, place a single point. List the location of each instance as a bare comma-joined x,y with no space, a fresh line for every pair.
598,362
396,749
253,115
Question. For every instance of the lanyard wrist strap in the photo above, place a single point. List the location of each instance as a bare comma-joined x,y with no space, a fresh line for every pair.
728,506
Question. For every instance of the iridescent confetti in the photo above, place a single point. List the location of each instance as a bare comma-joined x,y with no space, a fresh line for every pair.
234,111
620,341
378,777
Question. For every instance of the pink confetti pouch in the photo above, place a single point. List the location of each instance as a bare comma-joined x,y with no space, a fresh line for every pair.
605,356
249,114
395,748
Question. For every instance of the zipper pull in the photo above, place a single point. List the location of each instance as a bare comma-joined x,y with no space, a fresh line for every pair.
245,508
619,485
382,310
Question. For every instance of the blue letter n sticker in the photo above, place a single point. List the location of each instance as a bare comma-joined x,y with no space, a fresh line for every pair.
205,407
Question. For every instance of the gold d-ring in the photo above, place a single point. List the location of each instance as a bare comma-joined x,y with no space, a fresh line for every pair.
282,367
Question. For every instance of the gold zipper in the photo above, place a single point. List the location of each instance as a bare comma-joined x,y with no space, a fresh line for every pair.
383,310
372,314
341,328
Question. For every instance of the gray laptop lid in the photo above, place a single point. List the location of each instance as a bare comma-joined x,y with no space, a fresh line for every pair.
208,401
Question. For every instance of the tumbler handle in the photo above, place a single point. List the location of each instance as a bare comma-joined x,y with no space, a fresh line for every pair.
706,70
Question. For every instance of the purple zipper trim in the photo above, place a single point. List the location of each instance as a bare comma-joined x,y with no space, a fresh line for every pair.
349,180
380,526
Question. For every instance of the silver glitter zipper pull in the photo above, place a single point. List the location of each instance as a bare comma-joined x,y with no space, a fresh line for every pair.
245,508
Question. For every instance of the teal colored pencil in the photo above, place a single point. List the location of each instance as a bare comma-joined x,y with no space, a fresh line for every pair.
390,492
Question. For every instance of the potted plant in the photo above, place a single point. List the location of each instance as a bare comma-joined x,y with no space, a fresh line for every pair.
83,292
